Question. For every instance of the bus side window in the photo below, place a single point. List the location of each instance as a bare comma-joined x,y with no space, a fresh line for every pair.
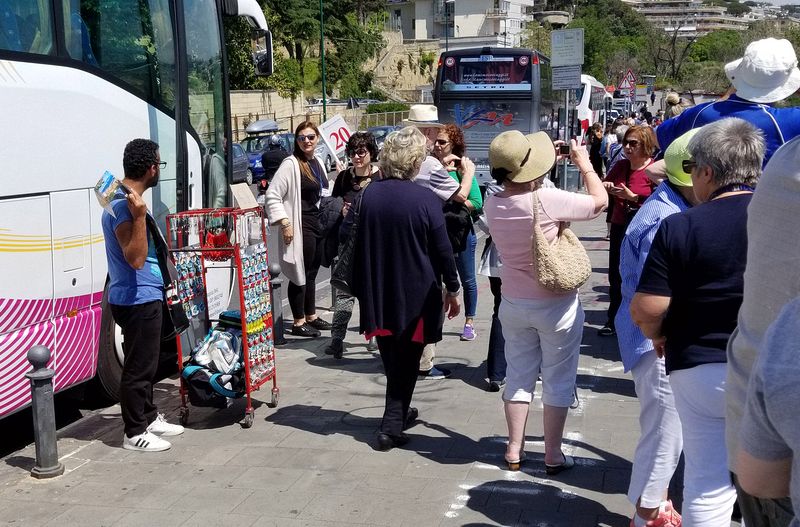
26,26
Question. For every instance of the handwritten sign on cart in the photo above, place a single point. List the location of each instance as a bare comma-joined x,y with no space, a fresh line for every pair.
243,196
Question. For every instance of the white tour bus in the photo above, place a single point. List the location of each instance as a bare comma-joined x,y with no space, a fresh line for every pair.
592,102
78,80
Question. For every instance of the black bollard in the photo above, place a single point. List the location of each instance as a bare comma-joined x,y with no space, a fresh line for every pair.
277,304
44,416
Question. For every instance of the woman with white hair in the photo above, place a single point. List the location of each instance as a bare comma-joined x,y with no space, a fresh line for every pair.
688,299
401,258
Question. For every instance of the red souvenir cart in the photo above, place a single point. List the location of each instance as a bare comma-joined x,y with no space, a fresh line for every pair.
238,236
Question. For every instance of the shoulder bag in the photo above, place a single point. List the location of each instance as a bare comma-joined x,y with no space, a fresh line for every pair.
175,320
563,266
342,271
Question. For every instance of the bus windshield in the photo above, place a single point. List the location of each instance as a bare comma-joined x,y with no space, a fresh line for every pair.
486,72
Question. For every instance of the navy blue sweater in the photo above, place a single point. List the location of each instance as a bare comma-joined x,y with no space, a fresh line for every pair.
402,257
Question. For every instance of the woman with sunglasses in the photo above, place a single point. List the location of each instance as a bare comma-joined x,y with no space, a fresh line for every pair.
292,202
628,186
449,148
362,149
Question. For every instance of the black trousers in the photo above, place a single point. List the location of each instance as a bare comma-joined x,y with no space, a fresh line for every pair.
614,278
496,358
400,359
302,298
141,328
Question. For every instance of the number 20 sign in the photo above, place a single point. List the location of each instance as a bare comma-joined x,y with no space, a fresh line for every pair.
335,133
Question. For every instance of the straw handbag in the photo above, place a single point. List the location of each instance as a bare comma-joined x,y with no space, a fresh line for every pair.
563,266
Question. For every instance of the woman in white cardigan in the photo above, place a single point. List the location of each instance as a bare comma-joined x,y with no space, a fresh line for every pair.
292,202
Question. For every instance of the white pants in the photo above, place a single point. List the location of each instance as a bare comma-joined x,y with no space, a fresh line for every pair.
661,440
708,494
542,335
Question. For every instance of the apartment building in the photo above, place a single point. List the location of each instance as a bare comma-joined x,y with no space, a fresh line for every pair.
690,18
460,24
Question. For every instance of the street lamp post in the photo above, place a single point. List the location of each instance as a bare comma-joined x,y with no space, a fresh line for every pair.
447,23
322,60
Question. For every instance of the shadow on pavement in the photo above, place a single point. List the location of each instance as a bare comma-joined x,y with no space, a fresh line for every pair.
533,503
600,384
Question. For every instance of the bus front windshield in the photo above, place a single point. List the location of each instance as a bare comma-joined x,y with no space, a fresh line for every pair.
206,96
486,72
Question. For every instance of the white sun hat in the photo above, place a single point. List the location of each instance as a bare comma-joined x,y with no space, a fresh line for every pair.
423,116
767,73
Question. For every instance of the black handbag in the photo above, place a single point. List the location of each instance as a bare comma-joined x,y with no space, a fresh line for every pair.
342,271
174,320
458,222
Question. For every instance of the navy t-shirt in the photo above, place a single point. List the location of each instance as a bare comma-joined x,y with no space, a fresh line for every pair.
698,259
129,286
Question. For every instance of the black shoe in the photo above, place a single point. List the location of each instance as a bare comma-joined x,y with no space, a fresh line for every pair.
320,324
607,331
335,348
305,331
494,386
387,441
411,417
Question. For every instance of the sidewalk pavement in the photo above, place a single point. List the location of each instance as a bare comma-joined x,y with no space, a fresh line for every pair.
312,462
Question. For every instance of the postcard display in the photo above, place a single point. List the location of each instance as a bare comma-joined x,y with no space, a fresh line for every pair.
238,236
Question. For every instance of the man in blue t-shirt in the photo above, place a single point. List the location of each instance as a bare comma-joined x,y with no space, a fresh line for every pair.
765,75
135,296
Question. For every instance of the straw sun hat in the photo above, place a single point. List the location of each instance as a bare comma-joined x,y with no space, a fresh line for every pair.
521,158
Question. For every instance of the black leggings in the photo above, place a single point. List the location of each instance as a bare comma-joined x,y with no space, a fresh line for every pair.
400,359
302,298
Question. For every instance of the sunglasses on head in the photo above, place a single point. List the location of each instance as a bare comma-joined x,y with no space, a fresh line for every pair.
442,142
688,165
633,143
304,138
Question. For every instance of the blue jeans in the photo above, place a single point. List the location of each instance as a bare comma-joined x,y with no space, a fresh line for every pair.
465,264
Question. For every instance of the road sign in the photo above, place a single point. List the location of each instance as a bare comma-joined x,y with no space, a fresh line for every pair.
629,81
566,47
566,77
335,133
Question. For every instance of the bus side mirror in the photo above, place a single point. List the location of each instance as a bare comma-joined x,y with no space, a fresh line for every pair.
263,59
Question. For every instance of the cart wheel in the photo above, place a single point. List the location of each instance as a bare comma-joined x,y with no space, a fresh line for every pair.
184,416
249,417
276,395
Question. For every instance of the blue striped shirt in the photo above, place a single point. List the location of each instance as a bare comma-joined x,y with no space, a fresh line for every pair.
664,201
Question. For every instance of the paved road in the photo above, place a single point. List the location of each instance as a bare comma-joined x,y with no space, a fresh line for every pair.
312,462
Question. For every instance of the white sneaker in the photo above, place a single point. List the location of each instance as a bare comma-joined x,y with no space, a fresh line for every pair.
145,442
161,427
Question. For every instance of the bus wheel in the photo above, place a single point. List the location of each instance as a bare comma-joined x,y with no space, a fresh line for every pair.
110,356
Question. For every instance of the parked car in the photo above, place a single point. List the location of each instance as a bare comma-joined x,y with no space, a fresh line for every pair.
257,142
380,133
241,164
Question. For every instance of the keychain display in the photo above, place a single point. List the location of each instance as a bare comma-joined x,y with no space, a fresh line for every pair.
237,236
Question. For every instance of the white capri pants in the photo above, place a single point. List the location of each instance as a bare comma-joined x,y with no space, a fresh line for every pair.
542,335
661,439
708,494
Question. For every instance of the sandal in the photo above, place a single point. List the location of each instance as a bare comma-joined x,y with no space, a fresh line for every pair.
568,463
514,465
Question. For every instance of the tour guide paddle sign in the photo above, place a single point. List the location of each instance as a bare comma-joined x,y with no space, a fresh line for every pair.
335,133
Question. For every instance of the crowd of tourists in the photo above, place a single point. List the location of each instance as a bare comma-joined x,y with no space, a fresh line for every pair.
703,279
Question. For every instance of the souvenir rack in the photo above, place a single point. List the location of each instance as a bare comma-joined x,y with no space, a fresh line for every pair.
237,236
